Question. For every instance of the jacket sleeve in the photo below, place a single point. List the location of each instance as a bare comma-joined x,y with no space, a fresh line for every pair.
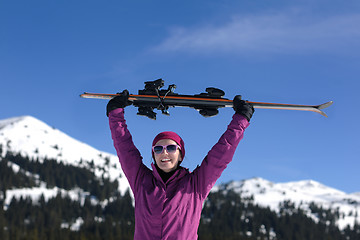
219,156
129,156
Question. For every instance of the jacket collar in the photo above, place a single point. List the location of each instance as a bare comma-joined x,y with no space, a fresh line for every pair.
179,173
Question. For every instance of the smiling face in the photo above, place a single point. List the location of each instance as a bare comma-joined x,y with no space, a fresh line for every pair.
167,161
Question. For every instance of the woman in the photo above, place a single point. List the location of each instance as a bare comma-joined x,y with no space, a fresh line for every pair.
169,198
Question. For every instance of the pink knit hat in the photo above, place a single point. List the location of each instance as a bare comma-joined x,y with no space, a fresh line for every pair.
173,136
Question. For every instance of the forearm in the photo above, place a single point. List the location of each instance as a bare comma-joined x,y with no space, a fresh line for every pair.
224,149
129,156
221,154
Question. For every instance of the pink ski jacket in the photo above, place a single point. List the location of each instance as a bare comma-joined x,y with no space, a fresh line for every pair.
171,210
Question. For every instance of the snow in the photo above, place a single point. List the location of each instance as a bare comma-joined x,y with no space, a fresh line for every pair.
301,193
74,226
35,193
31,137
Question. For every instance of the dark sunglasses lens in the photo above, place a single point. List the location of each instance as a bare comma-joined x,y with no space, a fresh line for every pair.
171,148
158,149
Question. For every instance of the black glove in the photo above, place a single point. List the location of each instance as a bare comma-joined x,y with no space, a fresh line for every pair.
242,107
120,101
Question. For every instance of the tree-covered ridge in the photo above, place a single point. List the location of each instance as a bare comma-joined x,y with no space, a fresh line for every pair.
103,213
106,214
56,174
63,218
228,216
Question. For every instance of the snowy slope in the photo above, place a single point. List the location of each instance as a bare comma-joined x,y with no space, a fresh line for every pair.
33,138
301,193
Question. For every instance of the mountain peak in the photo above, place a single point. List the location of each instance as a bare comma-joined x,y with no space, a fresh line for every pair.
15,120
30,137
35,139
302,193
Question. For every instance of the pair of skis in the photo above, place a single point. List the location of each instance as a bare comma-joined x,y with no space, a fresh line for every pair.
153,97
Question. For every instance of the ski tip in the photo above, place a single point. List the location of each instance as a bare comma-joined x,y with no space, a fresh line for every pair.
325,105
322,106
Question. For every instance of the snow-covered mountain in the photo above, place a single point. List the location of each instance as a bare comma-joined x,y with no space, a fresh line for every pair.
302,194
33,138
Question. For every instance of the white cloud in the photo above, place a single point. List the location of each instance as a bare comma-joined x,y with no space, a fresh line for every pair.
281,33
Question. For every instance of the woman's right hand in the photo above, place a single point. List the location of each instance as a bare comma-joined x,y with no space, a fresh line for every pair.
120,101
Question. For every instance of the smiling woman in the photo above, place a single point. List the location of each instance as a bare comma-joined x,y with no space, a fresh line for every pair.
169,198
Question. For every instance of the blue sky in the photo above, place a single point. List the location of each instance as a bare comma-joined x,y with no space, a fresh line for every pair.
301,52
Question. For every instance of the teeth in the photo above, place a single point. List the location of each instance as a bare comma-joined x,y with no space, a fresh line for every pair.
165,160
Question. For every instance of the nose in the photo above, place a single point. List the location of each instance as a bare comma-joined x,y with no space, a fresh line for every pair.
165,151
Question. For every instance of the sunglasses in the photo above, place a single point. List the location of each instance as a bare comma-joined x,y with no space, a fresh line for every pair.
171,148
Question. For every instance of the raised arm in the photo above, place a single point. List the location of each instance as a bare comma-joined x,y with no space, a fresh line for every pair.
129,156
223,151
